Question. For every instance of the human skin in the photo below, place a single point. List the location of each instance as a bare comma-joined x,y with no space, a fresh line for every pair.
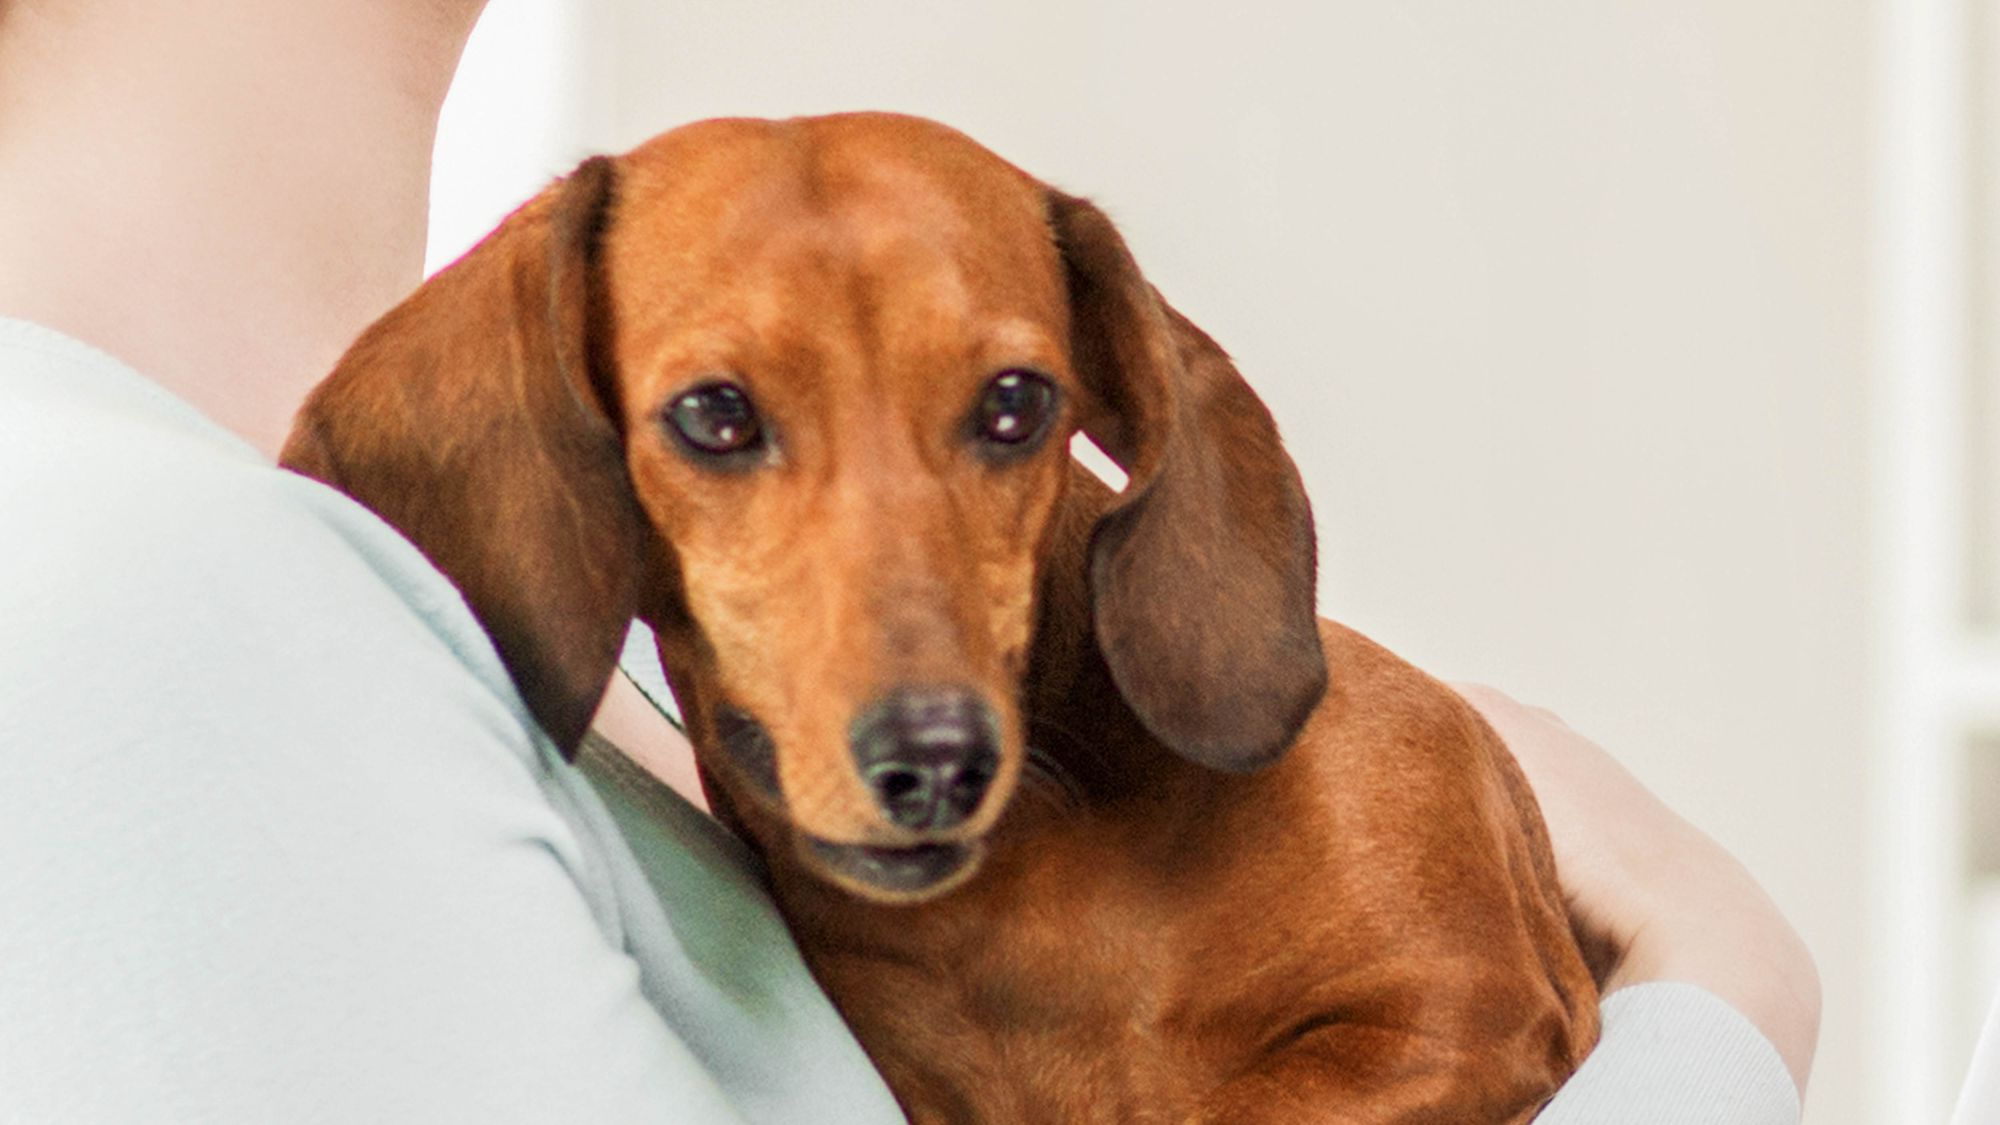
1674,904
223,193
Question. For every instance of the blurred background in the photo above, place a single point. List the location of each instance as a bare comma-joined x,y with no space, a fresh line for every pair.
1641,358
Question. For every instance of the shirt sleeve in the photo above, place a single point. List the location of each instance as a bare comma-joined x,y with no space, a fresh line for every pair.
269,851
1673,1054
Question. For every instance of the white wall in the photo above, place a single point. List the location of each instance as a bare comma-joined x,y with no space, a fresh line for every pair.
1560,303
518,116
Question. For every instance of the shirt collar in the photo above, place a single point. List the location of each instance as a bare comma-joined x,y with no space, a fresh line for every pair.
70,369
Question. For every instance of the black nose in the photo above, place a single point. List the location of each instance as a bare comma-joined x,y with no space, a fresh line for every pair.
928,754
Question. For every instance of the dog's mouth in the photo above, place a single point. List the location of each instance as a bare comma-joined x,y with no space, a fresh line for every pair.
918,871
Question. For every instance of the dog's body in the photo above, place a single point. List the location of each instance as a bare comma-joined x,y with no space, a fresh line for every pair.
1278,946
1051,781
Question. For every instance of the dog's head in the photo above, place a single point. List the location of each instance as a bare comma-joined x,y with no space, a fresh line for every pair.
800,394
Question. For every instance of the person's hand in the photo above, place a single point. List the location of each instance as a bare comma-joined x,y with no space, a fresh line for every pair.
1670,903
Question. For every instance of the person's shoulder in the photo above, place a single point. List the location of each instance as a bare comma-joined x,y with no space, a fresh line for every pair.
139,526
92,455
113,486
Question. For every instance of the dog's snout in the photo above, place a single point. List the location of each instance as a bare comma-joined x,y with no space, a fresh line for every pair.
928,755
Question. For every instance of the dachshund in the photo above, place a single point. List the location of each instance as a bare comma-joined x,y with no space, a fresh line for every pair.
1078,811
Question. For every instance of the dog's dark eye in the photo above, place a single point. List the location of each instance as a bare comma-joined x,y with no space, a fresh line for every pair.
1015,409
716,418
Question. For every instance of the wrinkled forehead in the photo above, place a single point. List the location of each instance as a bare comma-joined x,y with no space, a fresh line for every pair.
743,225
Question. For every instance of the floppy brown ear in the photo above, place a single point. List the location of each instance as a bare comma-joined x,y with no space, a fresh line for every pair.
473,417
1202,570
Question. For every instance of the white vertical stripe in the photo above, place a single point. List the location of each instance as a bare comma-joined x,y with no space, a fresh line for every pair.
1918,376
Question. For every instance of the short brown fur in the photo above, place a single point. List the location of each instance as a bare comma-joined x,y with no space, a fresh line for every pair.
1254,869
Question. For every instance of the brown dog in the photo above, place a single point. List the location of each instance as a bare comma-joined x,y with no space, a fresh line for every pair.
799,394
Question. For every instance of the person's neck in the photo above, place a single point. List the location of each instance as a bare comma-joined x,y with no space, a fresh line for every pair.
221,193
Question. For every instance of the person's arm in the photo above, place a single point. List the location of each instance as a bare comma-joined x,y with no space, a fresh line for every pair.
1676,909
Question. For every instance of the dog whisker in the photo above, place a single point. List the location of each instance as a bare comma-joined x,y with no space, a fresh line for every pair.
1085,752
1046,776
